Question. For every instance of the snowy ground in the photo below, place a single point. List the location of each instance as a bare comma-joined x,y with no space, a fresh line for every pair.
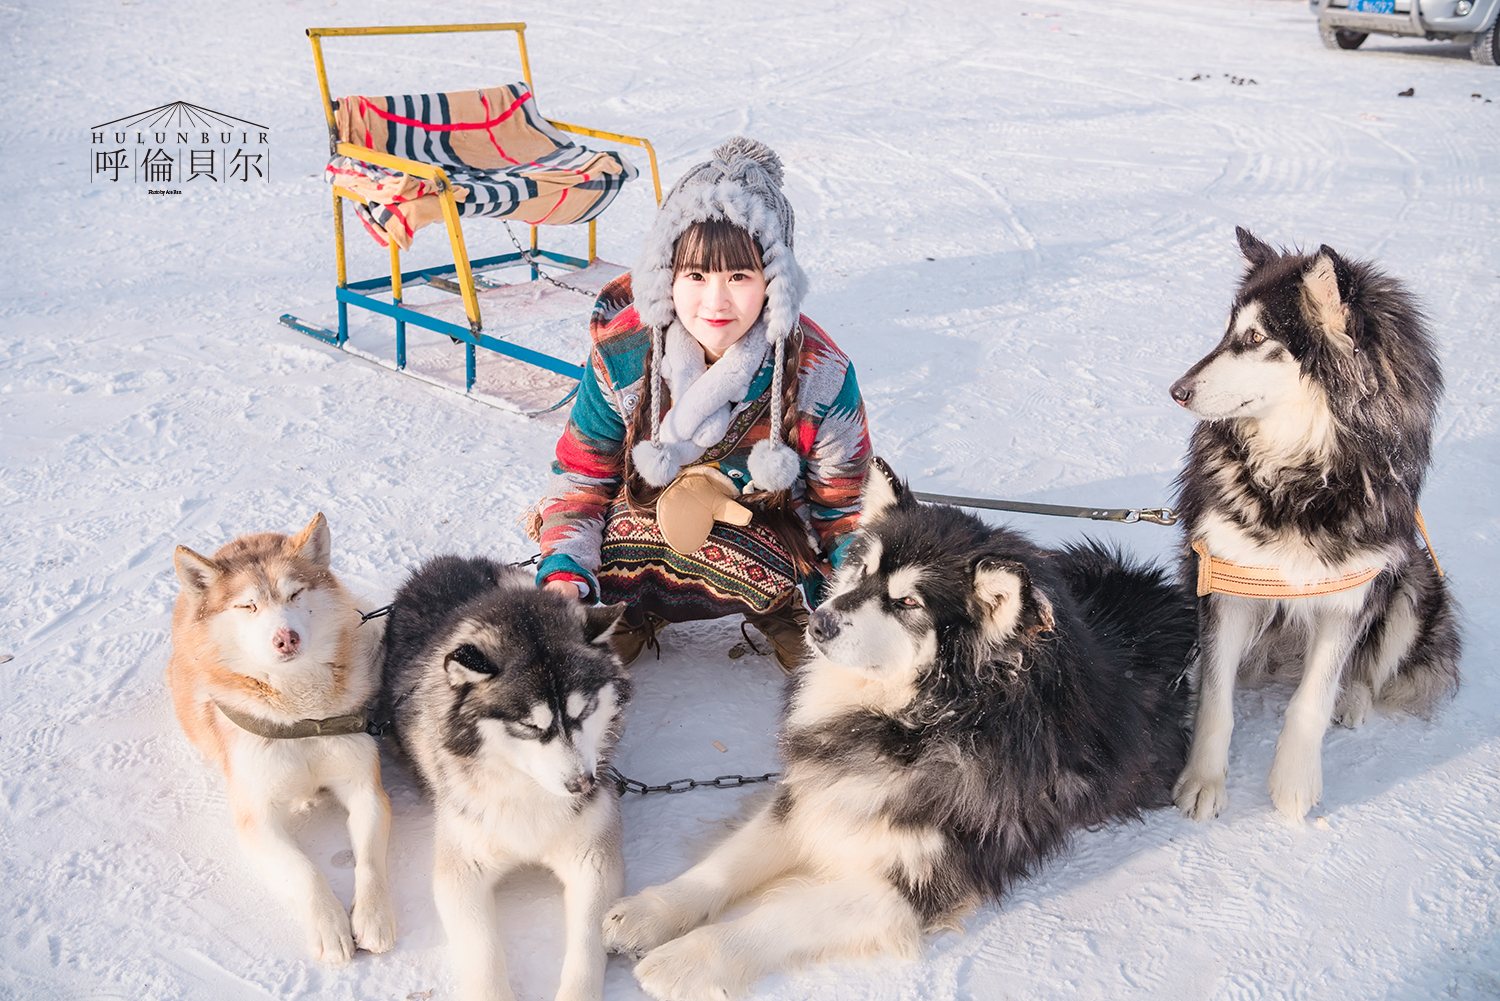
1018,219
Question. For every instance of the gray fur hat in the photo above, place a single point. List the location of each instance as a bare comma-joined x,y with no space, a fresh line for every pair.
741,184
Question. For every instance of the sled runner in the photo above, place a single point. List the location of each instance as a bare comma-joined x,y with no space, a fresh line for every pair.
403,162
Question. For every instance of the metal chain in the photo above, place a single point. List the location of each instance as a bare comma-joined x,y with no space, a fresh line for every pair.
623,785
385,610
526,256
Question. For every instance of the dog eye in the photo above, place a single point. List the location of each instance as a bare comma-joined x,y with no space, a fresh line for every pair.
1256,337
910,602
249,608
294,595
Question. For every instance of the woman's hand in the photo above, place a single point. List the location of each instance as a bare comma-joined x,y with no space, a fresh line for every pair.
566,588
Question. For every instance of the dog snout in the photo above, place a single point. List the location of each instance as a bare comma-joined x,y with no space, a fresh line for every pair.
1182,390
823,625
286,641
580,785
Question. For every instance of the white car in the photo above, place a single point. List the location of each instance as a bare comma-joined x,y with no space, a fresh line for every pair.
1345,24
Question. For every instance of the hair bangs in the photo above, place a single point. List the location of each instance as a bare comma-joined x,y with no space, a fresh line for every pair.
716,245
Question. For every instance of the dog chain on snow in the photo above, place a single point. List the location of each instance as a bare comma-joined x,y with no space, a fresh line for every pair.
385,610
526,256
623,785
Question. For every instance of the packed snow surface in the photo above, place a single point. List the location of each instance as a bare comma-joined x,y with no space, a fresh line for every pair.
1018,219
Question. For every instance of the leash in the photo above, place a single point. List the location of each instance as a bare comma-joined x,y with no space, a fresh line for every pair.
1128,516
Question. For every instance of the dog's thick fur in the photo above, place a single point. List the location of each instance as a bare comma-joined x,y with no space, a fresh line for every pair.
1316,417
507,702
264,628
973,699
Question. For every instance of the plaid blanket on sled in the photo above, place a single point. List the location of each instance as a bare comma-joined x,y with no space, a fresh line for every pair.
503,157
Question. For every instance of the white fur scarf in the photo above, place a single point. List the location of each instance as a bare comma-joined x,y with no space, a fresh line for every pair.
703,399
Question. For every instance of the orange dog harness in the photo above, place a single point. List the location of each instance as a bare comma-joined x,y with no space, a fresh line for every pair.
1223,577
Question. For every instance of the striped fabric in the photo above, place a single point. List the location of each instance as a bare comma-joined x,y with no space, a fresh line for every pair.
504,159
1216,576
832,439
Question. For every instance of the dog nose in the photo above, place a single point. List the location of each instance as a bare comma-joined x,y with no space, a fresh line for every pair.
823,624
286,641
1182,391
580,786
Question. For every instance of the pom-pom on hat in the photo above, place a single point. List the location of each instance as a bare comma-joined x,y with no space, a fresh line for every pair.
741,184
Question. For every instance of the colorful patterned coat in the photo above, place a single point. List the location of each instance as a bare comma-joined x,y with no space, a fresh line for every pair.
832,439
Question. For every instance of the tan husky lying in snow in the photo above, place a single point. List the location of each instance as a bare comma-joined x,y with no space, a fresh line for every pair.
270,675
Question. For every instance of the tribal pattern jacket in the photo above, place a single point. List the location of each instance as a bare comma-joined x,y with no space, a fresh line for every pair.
832,438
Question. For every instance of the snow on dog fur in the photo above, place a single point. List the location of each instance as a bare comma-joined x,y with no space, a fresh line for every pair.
507,700
973,699
263,631
1316,410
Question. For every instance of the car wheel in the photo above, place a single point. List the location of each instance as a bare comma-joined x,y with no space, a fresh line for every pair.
1486,47
1341,38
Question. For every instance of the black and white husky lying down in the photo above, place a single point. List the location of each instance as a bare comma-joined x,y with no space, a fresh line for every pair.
507,701
973,700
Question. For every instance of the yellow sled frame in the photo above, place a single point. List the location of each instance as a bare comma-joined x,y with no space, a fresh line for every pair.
460,277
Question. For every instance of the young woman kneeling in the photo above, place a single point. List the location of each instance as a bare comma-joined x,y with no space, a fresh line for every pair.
715,454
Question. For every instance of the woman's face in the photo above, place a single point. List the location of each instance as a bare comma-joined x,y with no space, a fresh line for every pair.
717,307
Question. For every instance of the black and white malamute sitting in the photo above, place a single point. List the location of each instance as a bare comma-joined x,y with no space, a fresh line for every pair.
1299,501
974,699
507,700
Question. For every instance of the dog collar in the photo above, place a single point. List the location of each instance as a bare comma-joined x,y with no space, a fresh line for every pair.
332,726
1223,577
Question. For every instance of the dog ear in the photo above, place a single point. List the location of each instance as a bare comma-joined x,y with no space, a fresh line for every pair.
196,572
882,489
1013,605
599,621
1256,253
467,665
314,543
1323,298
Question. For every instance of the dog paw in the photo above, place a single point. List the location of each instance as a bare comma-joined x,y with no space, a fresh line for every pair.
1296,783
328,934
635,925
1355,703
374,925
694,967
1200,796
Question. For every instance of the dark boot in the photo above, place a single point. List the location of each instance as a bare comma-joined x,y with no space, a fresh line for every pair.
787,631
631,641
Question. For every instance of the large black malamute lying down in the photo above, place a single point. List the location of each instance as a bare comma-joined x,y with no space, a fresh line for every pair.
974,699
